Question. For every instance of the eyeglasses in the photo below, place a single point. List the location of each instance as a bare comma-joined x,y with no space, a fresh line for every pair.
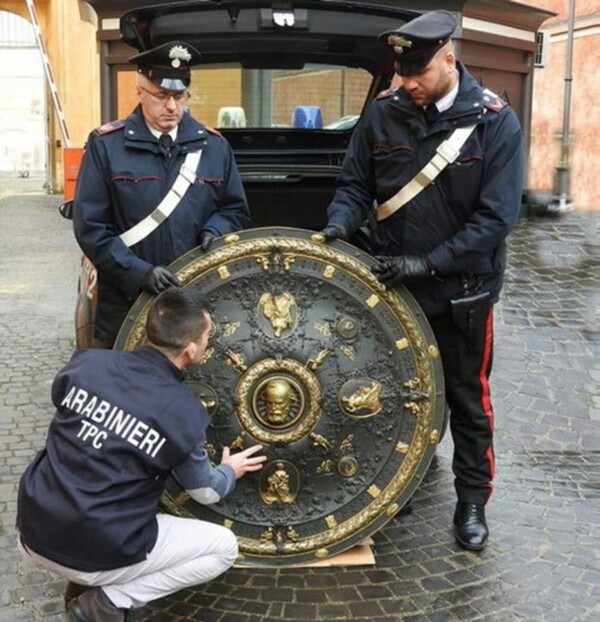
163,97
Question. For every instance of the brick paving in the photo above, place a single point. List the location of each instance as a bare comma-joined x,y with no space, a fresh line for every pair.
542,562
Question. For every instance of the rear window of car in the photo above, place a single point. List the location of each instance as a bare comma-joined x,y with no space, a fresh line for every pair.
315,97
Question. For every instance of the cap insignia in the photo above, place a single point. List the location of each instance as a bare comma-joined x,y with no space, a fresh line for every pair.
399,43
178,53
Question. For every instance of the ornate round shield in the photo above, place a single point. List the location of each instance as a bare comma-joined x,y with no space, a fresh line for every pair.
337,376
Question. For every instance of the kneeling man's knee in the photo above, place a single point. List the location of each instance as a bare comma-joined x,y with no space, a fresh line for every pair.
230,547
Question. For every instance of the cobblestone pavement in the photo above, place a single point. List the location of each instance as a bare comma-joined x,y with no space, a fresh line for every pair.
542,559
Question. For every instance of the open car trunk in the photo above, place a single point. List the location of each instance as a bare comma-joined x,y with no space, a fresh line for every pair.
291,196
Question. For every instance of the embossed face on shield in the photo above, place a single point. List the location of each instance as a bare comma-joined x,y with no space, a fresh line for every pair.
278,401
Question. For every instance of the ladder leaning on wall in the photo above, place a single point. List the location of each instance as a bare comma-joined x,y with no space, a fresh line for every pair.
48,72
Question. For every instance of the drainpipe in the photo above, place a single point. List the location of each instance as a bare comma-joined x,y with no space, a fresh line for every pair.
563,171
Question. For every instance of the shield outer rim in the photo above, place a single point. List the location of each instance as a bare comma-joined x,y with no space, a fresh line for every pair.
193,264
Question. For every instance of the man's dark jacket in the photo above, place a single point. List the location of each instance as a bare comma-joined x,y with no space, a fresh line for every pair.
124,175
458,223
123,422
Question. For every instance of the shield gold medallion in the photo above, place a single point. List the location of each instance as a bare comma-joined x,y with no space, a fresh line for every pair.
336,375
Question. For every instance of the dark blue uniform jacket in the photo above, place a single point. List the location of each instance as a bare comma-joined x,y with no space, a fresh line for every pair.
124,175
459,223
123,422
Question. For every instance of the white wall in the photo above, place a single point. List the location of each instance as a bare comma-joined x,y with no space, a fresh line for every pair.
22,110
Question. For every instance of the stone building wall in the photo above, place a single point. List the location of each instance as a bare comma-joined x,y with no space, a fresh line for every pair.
549,99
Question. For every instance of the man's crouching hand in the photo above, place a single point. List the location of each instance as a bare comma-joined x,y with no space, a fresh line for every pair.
245,461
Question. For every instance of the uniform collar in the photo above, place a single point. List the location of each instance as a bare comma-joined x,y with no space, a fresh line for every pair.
468,99
153,356
188,130
158,133
448,100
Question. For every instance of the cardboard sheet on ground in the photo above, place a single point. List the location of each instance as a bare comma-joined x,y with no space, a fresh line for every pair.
359,555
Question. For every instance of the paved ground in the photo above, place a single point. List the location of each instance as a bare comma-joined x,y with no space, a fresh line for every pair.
543,559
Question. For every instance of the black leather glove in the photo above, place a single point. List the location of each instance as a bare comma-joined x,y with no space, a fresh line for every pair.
392,270
157,279
206,238
334,232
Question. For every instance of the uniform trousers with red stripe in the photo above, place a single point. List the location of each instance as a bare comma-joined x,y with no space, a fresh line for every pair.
467,361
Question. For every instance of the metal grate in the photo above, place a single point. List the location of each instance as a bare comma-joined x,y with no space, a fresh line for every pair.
15,31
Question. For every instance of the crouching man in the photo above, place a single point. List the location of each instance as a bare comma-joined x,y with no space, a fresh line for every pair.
87,505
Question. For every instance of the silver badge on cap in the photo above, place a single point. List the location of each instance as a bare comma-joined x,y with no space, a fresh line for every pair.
399,43
178,53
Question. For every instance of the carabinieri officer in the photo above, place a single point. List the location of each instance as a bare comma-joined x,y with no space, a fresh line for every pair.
442,219
88,502
139,202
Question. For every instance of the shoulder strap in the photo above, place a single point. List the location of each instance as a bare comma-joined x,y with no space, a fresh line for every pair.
186,177
445,154
493,102
387,93
107,128
211,130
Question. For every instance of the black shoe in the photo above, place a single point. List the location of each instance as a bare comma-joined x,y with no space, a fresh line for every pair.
73,590
471,530
405,510
95,606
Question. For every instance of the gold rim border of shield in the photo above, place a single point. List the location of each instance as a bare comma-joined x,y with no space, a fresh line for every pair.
237,249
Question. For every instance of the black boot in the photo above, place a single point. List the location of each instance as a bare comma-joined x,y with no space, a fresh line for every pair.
73,590
95,606
471,530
